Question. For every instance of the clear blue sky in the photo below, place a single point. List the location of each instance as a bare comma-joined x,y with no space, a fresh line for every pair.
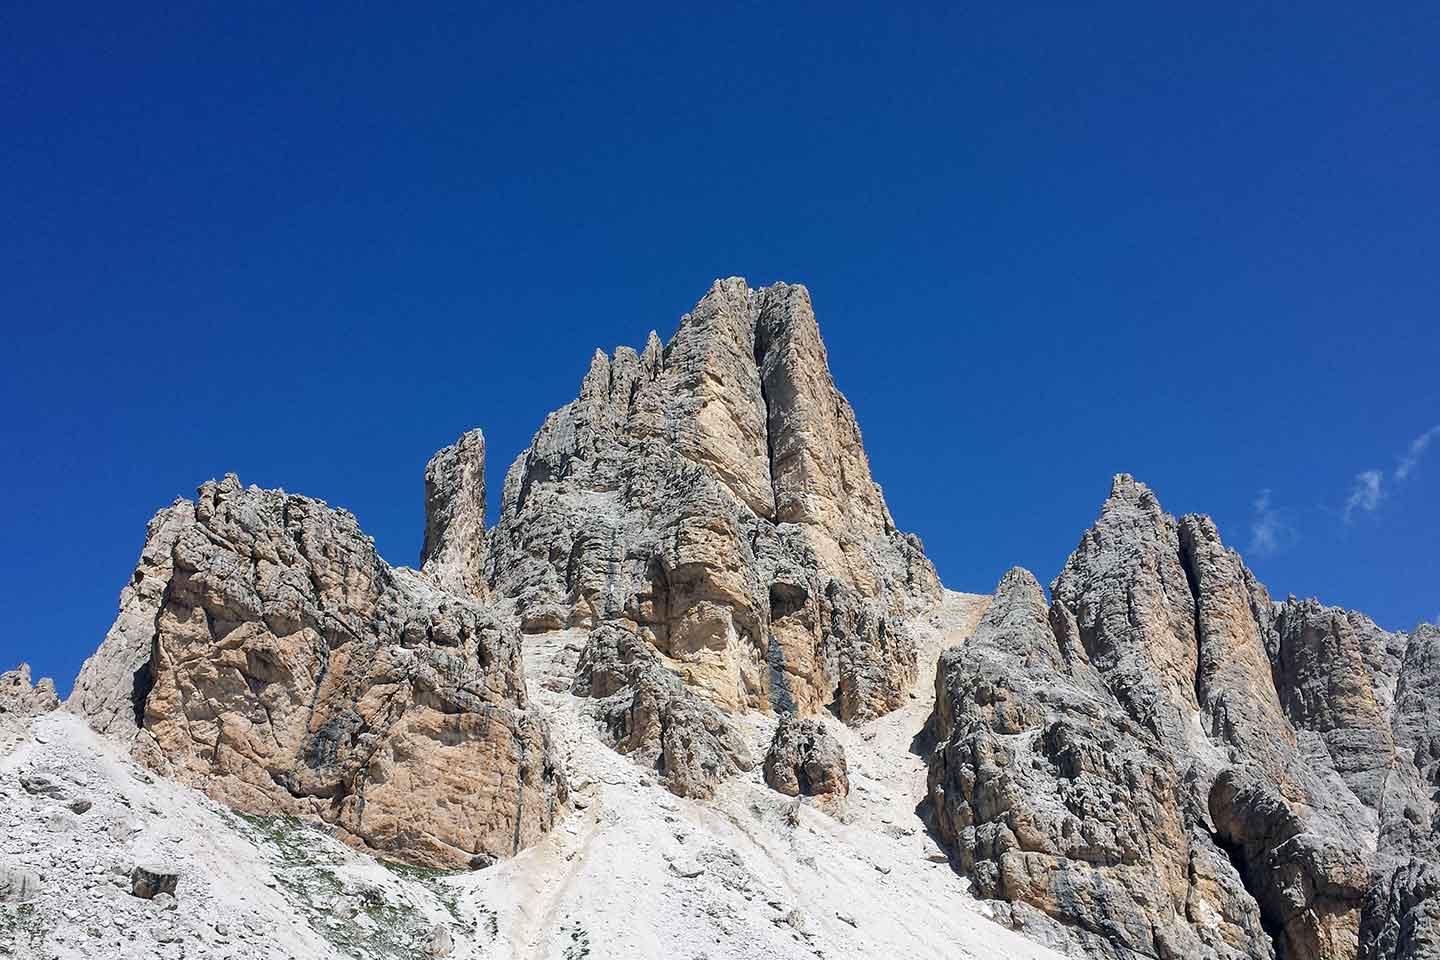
311,246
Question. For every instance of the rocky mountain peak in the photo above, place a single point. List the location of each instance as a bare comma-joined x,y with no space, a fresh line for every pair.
1202,772
713,495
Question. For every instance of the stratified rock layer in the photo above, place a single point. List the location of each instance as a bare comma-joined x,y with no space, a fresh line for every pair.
265,654
1162,762
713,496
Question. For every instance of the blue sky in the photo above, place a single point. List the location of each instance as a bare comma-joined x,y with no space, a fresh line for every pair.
312,245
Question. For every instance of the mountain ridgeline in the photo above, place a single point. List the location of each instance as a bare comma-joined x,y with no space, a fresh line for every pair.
1156,760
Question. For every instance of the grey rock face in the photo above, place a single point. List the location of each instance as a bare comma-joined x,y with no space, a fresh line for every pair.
113,683
266,655
1162,762
805,759
454,549
650,714
712,495
18,697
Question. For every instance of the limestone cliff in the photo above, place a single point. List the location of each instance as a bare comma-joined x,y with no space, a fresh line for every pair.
713,496
265,654
1162,762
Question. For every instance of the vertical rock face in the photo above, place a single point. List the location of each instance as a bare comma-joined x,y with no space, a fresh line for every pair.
712,495
1162,762
265,654
453,553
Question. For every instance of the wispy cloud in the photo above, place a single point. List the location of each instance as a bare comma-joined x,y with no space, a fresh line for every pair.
1268,532
1366,494
1416,451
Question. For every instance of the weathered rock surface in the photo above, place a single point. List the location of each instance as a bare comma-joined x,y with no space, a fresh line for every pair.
265,654
650,714
1162,762
805,759
150,880
18,697
713,496
454,549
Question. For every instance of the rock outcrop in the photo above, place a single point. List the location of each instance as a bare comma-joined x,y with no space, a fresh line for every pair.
265,654
18,697
453,553
806,760
650,714
712,495
1162,762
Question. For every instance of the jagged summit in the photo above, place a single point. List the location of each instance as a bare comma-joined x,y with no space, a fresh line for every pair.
695,583
1163,762
713,495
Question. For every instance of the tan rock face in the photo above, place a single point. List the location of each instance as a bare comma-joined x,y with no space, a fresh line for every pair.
453,553
287,669
712,495
1164,763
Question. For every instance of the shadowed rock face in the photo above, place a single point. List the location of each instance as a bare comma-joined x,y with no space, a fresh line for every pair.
265,654
1162,762
712,495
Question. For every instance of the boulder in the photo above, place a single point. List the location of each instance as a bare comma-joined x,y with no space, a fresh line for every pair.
805,759
148,881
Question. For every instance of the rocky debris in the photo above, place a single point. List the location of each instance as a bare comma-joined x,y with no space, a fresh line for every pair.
441,943
454,549
17,885
713,496
265,654
805,759
149,881
649,713
253,887
42,785
1162,762
19,698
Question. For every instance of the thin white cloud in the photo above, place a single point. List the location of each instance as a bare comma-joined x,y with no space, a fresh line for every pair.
1366,494
1268,533
1416,451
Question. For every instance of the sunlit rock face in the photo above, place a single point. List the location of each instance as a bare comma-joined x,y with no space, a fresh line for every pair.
265,654
1160,761
712,495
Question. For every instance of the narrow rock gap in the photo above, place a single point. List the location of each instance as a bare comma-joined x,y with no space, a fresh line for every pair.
1187,564
1268,924
761,347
